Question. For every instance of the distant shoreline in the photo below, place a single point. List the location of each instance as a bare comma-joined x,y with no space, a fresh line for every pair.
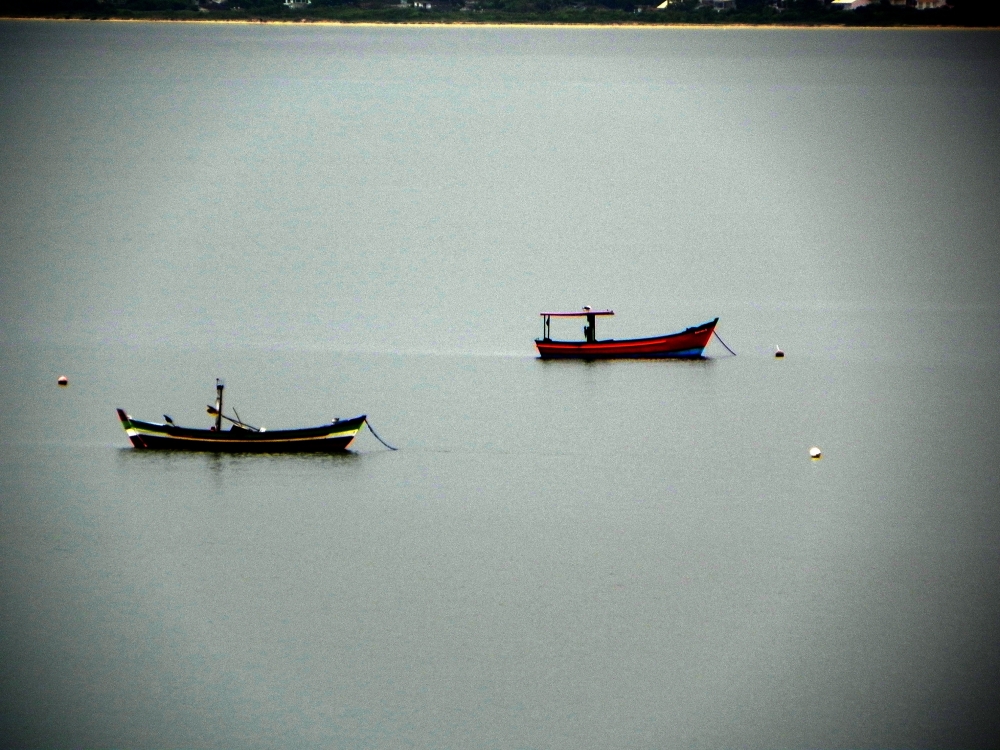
511,24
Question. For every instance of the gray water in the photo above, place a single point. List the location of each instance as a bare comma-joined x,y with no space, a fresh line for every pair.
560,554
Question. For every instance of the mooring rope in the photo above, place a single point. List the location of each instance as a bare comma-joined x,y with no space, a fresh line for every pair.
723,342
372,430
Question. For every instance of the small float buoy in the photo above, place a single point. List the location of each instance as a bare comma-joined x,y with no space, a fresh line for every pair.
815,452
63,380
778,353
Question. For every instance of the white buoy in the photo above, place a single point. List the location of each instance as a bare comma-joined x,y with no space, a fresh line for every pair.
63,380
778,353
815,452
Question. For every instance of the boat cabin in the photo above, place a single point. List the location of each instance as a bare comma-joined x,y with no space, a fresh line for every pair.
589,330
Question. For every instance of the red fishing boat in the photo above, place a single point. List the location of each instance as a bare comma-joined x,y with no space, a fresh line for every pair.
686,344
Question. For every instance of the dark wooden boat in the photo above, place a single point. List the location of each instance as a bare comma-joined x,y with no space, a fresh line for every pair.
240,437
686,344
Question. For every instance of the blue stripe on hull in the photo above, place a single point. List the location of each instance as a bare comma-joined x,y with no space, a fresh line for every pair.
684,354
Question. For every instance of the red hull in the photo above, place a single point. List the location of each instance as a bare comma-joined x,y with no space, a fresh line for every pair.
687,344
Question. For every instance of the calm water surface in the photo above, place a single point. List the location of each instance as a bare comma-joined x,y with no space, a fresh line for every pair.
560,555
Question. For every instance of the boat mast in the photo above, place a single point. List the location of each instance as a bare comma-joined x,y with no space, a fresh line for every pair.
219,385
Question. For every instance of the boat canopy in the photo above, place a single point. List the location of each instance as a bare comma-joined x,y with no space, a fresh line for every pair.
589,330
577,314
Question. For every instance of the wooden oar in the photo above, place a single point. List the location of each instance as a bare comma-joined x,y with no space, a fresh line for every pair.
239,423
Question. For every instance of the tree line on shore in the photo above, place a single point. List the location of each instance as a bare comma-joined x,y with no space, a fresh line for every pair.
786,12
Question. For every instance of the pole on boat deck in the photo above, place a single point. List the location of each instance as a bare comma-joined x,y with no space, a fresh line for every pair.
546,321
219,385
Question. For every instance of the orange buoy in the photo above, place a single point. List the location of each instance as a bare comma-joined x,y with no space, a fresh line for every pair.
63,380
